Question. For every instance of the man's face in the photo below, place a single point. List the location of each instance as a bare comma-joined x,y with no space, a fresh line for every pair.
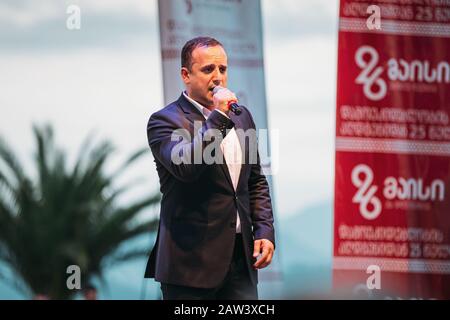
208,69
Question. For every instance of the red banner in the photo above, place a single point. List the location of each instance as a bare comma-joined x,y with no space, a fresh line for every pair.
392,176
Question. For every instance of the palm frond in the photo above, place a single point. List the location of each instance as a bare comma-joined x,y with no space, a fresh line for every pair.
134,157
67,216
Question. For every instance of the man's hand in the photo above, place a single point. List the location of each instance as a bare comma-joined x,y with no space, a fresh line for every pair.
221,99
267,248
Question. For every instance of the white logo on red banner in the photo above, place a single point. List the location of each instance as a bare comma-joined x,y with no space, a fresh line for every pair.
394,188
366,192
368,78
398,70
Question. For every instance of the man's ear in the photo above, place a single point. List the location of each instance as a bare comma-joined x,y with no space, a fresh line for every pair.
185,75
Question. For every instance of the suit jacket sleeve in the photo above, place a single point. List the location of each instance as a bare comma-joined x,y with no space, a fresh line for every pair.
260,201
164,131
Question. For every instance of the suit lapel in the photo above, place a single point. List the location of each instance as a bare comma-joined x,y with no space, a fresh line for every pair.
191,112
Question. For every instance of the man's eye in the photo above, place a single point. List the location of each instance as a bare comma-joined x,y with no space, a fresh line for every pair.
208,70
223,70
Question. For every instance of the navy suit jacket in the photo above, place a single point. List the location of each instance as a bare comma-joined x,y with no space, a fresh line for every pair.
196,233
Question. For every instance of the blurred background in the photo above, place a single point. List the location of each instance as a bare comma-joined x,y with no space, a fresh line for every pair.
99,85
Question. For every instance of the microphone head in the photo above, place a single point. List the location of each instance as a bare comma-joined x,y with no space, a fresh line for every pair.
216,89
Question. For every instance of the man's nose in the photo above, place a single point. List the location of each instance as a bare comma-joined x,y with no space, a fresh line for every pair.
217,77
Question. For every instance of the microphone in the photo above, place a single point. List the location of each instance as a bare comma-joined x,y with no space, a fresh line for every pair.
234,107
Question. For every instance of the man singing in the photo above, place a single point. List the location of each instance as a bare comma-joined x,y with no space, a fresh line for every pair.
216,222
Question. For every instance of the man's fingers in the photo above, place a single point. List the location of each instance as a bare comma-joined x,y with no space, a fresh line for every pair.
257,248
263,258
267,262
267,253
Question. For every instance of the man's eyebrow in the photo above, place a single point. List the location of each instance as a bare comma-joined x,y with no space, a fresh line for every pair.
208,66
212,65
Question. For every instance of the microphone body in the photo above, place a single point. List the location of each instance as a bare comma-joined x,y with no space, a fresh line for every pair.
232,105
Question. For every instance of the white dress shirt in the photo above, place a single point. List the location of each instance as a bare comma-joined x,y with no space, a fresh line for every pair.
231,149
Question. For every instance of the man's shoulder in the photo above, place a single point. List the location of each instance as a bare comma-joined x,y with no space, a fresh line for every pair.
170,113
163,121
245,109
247,112
170,109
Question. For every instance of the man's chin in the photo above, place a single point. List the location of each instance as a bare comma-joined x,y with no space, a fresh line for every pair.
204,101
207,101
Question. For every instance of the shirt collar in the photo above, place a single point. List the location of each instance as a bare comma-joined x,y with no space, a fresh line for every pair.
205,111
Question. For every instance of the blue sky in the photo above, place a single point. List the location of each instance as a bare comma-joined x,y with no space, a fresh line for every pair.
106,78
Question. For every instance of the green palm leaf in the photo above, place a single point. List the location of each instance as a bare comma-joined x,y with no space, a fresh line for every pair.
66,217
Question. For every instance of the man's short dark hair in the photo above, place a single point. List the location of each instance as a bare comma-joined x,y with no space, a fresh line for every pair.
188,48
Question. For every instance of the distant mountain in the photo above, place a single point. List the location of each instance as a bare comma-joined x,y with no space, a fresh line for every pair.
305,252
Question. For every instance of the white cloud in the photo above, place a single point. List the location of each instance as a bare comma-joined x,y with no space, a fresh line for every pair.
301,74
113,93
138,7
288,20
28,13
306,147
301,82
324,8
